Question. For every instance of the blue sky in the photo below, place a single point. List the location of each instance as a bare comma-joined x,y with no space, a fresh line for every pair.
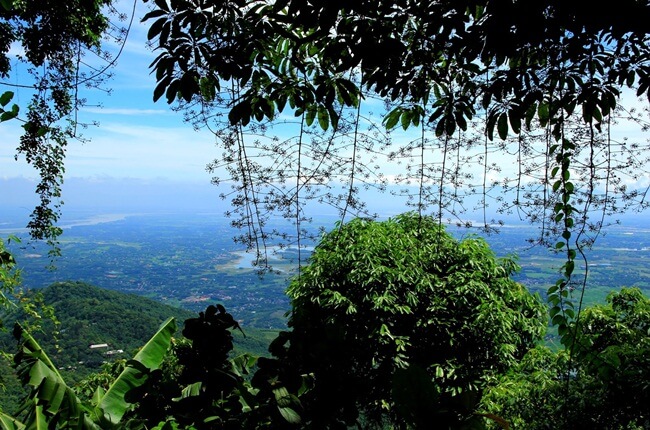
136,138
141,154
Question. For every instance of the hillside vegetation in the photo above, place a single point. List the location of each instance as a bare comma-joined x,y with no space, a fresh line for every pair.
89,315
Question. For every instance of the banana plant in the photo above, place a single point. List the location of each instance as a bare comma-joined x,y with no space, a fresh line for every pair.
112,405
53,404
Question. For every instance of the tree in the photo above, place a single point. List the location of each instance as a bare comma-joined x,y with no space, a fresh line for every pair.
202,386
608,387
9,275
438,64
189,382
52,40
399,322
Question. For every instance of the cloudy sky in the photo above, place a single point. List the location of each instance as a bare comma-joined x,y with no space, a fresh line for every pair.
140,150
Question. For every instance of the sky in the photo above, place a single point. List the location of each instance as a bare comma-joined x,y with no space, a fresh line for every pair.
140,148
142,153
135,137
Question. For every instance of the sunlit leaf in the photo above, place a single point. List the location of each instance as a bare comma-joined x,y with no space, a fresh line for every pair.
114,404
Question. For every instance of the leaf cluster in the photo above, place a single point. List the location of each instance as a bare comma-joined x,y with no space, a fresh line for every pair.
504,56
51,39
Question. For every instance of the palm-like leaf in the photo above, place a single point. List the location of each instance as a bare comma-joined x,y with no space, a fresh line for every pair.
113,405
51,402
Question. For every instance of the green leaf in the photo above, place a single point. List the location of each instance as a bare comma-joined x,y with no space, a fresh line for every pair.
10,423
554,311
406,119
6,116
530,114
191,390
515,121
289,415
568,270
285,401
323,118
51,400
334,117
172,90
543,113
557,319
208,90
153,14
113,404
159,90
156,28
502,126
391,120
569,187
310,115
39,421
440,127
554,171
6,97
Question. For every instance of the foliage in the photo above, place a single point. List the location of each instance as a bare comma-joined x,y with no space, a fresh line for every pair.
34,312
299,53
608,385
433,379
113,403
201,386
384,304
501,103
49,41
9,275
50,400
6,115
88,315
53,404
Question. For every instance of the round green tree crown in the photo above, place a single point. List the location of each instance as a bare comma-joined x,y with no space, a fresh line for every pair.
381,297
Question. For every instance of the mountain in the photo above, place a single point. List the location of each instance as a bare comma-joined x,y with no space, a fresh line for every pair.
98,326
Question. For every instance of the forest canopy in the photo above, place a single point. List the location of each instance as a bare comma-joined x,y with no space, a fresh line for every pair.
500,103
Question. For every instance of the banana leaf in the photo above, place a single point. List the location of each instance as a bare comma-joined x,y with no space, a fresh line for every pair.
51,403
10,423
113,404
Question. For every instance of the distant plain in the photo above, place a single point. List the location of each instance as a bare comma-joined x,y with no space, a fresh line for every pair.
191,261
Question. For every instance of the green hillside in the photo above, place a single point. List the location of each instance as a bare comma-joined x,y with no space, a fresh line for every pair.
98,325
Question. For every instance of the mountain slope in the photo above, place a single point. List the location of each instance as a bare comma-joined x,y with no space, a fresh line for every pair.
98,325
